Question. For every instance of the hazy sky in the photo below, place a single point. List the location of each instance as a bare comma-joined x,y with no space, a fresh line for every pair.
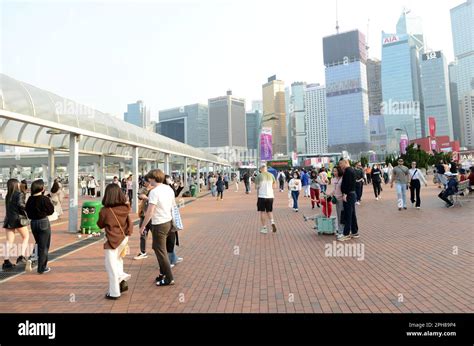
171,53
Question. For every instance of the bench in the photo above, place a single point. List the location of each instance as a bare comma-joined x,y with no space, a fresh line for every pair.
462,194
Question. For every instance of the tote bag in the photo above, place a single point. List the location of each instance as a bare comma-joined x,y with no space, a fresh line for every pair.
177,221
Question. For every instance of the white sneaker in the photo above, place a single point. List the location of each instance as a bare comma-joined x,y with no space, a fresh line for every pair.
179,260
171,265
141,256
29,265
377,198
358,203
263,230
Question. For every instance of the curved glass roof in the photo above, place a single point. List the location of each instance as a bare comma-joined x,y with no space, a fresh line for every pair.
50,119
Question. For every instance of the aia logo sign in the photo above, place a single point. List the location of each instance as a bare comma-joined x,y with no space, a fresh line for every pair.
391,39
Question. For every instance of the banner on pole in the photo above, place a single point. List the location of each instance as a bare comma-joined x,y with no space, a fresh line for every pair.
266,149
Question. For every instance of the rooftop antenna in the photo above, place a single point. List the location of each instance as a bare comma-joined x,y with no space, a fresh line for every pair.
337,16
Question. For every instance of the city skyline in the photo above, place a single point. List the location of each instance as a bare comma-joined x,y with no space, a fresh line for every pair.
62,56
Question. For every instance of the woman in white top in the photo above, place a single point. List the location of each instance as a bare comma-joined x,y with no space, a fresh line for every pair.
323,180
57,197
92,184
416,178
83,186
337,174
295,188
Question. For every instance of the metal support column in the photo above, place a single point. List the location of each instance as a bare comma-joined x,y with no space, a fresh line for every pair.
51,168
135,179
167,164
101,173
198,169
185,177
73,180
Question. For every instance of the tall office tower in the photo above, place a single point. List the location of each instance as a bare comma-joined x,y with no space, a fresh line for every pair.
227,120
401,83
188,124
455,104
436,93
257,105
467,108
378,137
253,128
462,25
295,110
137,114
347,102
316,119
274,113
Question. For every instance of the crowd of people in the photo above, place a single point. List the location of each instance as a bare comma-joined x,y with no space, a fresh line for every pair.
341,186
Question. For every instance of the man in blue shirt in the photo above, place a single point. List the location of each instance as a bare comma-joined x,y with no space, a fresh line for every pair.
305,183
451,189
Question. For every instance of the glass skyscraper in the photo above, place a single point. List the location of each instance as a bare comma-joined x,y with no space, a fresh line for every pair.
462,71
347,103
295,109
316,119
401,85
137,114
436,93
188,124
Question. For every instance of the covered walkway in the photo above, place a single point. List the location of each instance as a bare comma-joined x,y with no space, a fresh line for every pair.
35,118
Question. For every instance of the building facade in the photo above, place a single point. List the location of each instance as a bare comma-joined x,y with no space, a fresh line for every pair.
295,110
436,93
378,136
187,124
462,71
347,102
274,113
253,128
316,119
137,114
401,82
227,121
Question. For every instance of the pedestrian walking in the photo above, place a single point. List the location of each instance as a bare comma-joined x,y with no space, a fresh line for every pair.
236,181
314,189
416,179
115,219
226,181
295,188
349,198
15,221
376,179
142,208
281,180
92,185
160,204
130,189
323,180
336,193
264,184
212,183
359,173
83,186
57,195
400,178
38,208
305,184
220,185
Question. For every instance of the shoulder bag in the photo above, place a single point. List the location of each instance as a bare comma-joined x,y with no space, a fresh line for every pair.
126,250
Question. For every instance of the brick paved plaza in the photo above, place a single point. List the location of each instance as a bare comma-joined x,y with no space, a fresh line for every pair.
409,264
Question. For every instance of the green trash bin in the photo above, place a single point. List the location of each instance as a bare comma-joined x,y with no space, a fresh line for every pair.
89,216
193,190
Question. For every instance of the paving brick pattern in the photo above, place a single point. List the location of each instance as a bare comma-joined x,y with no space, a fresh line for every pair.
409,265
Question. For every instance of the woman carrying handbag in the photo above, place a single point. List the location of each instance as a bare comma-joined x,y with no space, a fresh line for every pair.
115,219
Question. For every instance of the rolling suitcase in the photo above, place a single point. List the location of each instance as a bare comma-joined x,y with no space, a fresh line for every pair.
326,224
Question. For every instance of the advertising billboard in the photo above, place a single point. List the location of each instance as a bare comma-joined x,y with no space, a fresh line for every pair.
266,150
403,143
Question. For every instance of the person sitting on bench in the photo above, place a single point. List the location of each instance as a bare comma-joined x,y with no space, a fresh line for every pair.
451,189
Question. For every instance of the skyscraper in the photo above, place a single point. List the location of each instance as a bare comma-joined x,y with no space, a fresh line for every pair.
462,25
188,124
378,137
455,103
274,113
316,119
227,121
436,94
295,110
347,102
253,123
137,114
257,105
401,85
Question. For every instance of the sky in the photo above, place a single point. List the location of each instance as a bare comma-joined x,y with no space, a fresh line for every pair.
171,53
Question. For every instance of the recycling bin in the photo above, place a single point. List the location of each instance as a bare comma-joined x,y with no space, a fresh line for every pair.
90,216
193,190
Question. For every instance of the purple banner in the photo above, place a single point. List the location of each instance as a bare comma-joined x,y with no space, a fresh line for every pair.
266,150
403,144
